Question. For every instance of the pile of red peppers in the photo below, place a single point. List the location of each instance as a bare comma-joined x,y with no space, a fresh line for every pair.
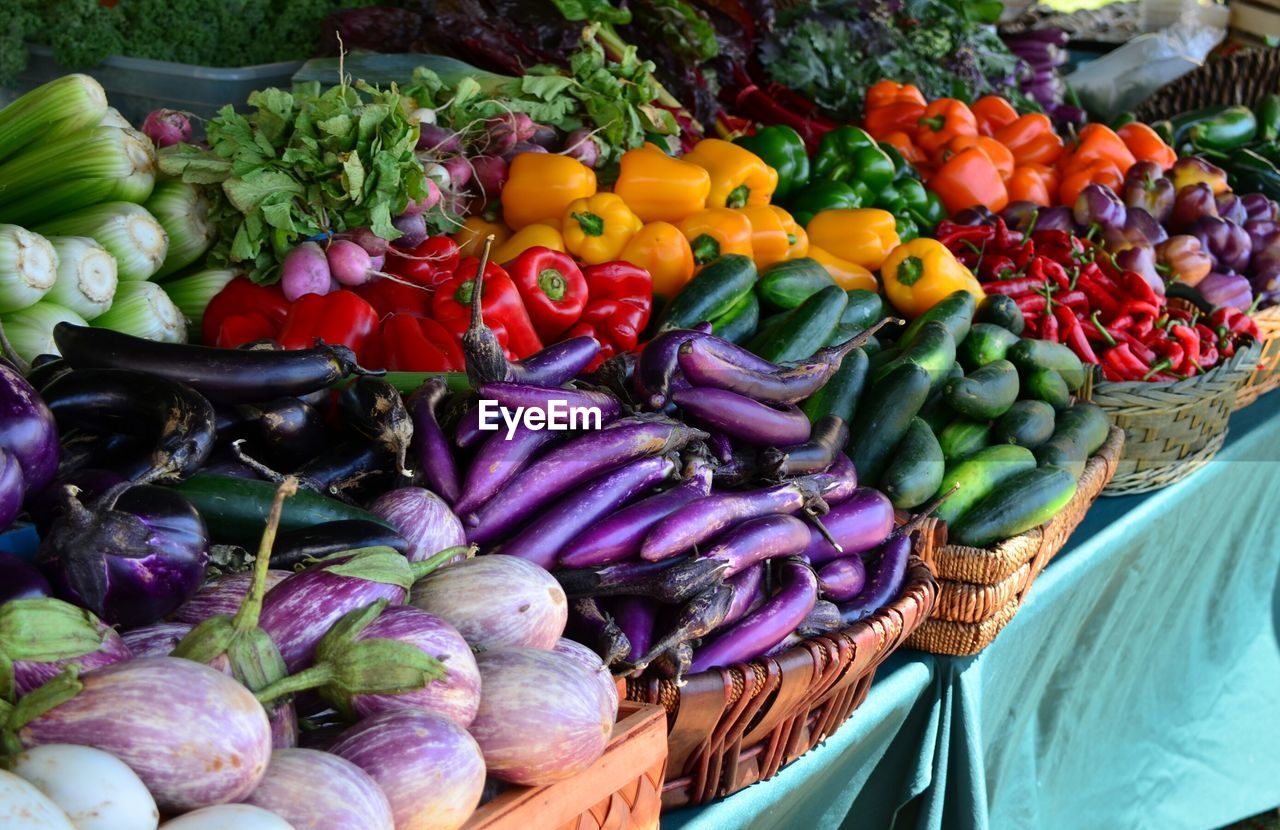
414,321
1071,291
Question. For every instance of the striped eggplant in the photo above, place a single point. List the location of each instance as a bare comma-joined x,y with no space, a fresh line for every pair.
422,518
592,663
222,595
224,816
346,798
39,637
193,735
431,770
155,640
496,601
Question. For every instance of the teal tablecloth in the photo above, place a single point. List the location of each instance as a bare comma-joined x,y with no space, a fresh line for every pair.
1138,687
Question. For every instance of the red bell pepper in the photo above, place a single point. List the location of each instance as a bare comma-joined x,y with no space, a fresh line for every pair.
390,297
337,318
418,344
621,300
243,297
502,308
552,287
432,262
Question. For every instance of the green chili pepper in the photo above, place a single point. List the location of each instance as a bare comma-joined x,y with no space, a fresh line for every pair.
1123,119
783,149
1269,117
848,154
1233,127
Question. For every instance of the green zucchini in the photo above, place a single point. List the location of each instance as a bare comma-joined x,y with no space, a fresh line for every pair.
715,290
1029,355
883,417
962,438
984,393
1024,501
786,285
1002,311
985,344
916,470
803,330
1027,424
840,394
740,321
954,311
1080,432
1048,386
978,475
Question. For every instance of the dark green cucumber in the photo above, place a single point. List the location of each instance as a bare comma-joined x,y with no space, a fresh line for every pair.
935,411
915,472
786,285
984,393
962,438
840,395
1027,500
235,509
1080,431
955,311
985,344
884,414
1048,386
977,476
1029,355
864,310
803,330
740,322
1027,424
714,290
1002,311
934,349
883,357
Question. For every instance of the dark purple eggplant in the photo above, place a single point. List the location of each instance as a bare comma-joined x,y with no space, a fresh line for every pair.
43,371
223,375
431,448
46,506
858,524
27,430
886,569
556,364
20,580
823,619
674,664
671,581
177,419
755,540
745,419
837,483
349,471
742,469
287,431
80,450
615,375
620,535
295,547
696,619
568,466
131,557
768,625
543,539
12,490
658,362
41,636
485,360
372,407
826,441
497,462
721,447
842,579
704,518
636,617
731,352
747,593
592,627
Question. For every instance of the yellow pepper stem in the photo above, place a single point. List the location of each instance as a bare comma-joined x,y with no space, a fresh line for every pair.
738,197
910,271
705,249
591,224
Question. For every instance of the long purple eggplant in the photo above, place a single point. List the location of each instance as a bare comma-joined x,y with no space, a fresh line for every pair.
27,429
721,447
568,466
658,362
826,442
137,709
840,580
767,626
790,384
747,593
636,617
348,800
548,401
497,462
755,540
744,419
39,637
858,525
155,640
620,535
671,581
432,451
823,619
591,624
695,620
222,595
556,364
704,518
372,407
736,355
543,539
887,568
837,483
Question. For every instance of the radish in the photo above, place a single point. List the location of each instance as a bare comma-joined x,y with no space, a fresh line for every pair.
523,147
506,131
582,145
167,127
491,174
459,171
305,271
370,241
413,230
438,139
349,263
545,136
424,204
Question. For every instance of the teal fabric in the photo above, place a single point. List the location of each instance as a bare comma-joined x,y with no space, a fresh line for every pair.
1138,687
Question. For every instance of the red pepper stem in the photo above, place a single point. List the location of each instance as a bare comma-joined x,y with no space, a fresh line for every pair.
552,283
1106,335
1157,369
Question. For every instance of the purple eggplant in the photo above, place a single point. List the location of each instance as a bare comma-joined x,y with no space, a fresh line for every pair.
12,489
136,709
748,593
348,800
41,636
543,539
551,402
1058,218
556,364
730,352
497,462
842,579
27,430
568,466
222,595
131,558
1227,242
720,446
19,580
430,769
782,386
696,619
745,419
824,618
756,540
47,505
1146,187
155,640
1098,205
299,547
430,446
589,623
886,568
827,440
1230,290
286,431
1231,208
858,525
658,362
838,482
496,601
422,518
767,626
373,408
636,618
704,518
671,581
1193,202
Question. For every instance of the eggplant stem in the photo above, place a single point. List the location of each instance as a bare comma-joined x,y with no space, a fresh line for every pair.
925,512
309,678
257,466
11,354
246,618
826,534
432,563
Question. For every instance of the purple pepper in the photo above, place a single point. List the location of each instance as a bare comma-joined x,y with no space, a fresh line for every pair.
1230,290
1099,205
1258,208
1225,241
1146,187
1056,219
1231,208
1192,203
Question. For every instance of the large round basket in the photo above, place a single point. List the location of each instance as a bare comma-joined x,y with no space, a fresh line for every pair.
1266,375
1242,78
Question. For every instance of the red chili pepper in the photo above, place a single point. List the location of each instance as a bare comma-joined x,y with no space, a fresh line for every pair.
390,297
418,344
1138,288
619,308
1140,308
1050,329
1054,271
1073,334
1244,324
1095,331
1143,327
1224,316
432,262
1014,288
1190,342
337,318
1032,303
241,296
552,287
1123,360
999,267
451,306
1075,300
1136,346
1170,352
951,234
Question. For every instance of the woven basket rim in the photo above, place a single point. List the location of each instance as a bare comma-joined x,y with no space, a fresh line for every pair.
1189,93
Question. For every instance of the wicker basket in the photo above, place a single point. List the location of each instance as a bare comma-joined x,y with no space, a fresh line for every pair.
981,589
621,791
731,727
1242,78
1174,428
1266,376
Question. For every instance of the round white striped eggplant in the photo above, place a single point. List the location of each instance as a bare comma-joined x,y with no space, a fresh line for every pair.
315,790
28,625
227,817
222,595
95,789
599,672
155,640
496,601
23,807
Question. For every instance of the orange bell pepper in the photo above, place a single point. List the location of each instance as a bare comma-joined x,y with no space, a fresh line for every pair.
942,121
774,235
541,185
848,275
994,150
1076,178
993,113
714,232
888,92
1034,183
470,237
969,178
903,143
1147,145
662,250
1098,142
1031,139
893,118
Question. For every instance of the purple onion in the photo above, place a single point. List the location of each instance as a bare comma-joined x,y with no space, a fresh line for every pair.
222,595
321,791
422,518
20,580
495,601
155,640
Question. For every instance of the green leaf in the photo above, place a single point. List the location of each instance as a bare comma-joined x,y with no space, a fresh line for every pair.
596,11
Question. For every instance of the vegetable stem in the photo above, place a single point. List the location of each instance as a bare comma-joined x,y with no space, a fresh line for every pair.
309,678
247,614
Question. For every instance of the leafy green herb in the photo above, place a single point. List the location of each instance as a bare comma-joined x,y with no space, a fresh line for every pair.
597,11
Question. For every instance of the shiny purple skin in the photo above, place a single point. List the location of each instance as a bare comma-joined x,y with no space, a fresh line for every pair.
1231,290
193,735
1266,287
542,718
838,482
156,640
456,696
422,518
1193,202
779,386
658,362
1267,256
558,364
47,505
600,673
496,601
300,610
1020,215
842,579
1146,187
1226,242
430,445
514,395
222,595
636,617
1258,208
497,462
977,215
1231,208
347,799
12,489
430,769
886,570
1141,229
1058,218
745,419
1099,205
1260,232
765,627
1142,261
703,518
28,675
859,524
736,355
20,580
27,429
747,594
755,540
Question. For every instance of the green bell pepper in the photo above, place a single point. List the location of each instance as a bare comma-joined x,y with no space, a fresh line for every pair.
1269,117
827,195
890,198
783,149
1233,127
902,169
907,229
923,205
850,154
1164,129
1123,119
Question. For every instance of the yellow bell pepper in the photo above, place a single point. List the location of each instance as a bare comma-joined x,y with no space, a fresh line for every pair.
848,275
659,188
919,274
541,185
864,236
530,236
470,237
771,238
796,235
714,232
597,229
738,176
662,250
